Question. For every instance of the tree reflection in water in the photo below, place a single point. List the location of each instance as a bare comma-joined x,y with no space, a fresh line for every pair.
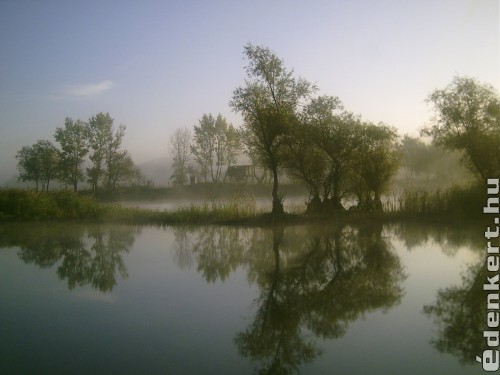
86,255
459,311
460,315
311,280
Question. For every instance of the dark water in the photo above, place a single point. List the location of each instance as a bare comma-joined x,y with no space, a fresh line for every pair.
216,300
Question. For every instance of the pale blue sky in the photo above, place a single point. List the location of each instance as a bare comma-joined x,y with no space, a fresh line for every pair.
158,65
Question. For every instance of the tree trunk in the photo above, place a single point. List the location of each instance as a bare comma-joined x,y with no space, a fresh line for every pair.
335,201
314,205
377,203
277,204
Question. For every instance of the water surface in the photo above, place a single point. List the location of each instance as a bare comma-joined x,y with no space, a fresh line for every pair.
210,300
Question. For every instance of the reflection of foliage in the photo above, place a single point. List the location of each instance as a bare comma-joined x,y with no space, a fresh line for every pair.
87,255
311,280
218,250
183,254
450,238
98,265
460,316
275,336
459,311
319,285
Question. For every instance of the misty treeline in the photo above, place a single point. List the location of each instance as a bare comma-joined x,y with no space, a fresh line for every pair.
426,165
313,139
214,144
87,151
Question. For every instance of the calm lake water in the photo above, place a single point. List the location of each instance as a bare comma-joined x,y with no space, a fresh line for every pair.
104,299
291,204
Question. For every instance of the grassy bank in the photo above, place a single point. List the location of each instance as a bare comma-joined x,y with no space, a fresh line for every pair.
18,204
464,203
65,205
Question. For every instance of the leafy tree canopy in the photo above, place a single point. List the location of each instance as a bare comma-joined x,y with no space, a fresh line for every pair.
468,118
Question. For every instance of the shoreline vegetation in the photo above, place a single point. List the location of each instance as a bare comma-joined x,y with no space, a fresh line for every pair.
455,204
346,166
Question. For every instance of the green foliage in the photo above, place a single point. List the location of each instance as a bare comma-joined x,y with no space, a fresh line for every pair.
337,155
74,147
42,162
455,202
459,312
306,154
241,206
62,205
215,144
68,205
468,119
99,132
452,204
304,161
118,162
111,164
268,103
179,148
28,165
38,163
313,288
376,160
203,144
333,131
82,254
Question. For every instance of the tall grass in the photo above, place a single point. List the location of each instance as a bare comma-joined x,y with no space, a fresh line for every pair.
240,206
457,202
25,204
66,205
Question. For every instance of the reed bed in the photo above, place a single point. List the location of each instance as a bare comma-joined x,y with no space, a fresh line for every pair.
457,201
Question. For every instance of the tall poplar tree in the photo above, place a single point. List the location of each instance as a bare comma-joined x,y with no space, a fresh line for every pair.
99,131
73,141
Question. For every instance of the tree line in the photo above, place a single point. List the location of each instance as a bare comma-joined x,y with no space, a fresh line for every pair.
287,131
313,139
214,144
88,151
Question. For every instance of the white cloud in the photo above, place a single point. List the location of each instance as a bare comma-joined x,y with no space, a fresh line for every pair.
89,90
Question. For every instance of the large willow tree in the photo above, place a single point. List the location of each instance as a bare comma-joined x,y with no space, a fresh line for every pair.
269,102
467,118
